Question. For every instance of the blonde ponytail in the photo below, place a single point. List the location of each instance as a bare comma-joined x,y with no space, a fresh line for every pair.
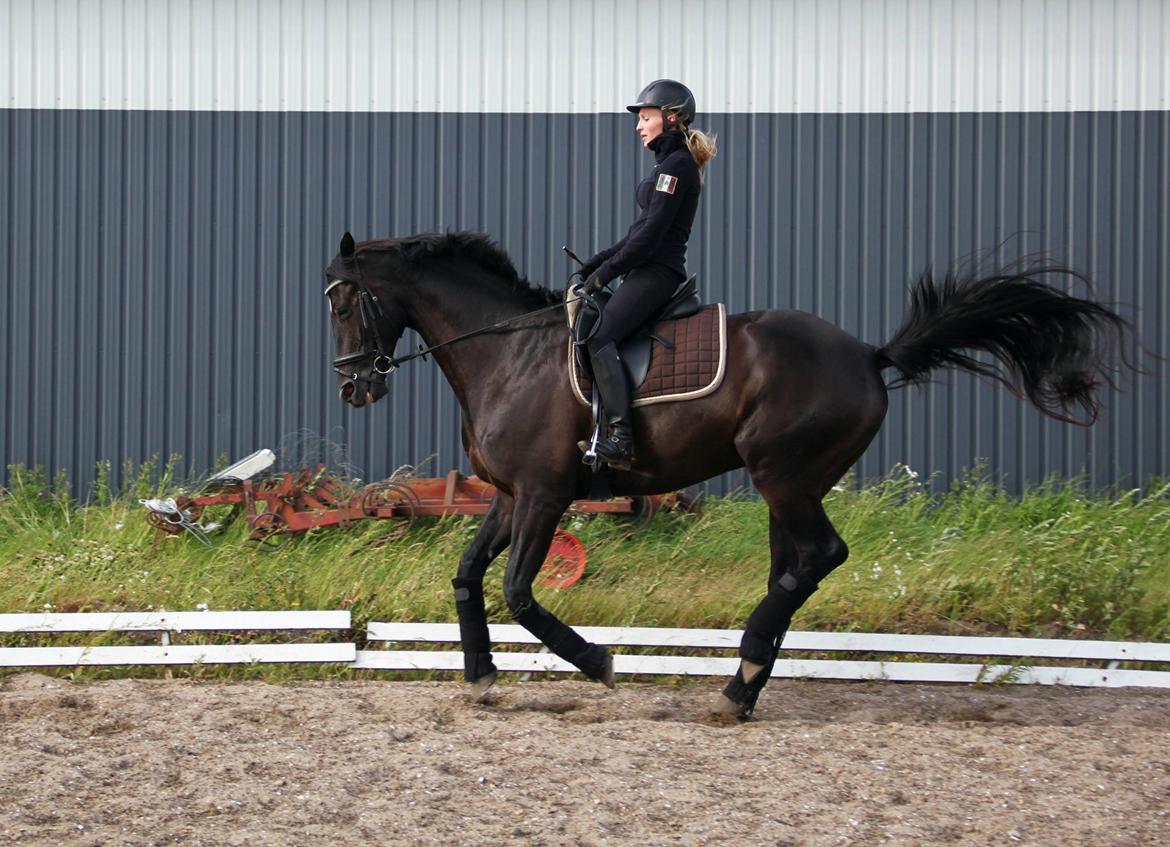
702,147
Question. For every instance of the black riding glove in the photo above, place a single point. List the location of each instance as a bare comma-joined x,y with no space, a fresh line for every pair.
594,283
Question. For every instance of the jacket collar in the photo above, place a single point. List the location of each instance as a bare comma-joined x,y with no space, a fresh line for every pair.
666,143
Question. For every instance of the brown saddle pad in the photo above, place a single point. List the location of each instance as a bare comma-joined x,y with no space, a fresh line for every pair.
692,368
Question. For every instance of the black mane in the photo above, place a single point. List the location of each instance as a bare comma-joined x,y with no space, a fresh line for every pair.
475,247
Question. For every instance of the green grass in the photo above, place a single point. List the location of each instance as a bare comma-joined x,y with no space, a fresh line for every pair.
1054,562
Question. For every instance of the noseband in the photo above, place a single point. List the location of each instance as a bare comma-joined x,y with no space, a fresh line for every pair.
371,312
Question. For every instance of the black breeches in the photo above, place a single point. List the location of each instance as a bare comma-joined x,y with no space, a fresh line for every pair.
641,293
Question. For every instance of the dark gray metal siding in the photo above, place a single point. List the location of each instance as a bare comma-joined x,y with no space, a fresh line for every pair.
162,270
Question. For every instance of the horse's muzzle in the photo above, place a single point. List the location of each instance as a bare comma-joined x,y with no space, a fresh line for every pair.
359,392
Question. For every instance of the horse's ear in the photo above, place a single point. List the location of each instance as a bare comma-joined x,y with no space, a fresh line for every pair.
347,246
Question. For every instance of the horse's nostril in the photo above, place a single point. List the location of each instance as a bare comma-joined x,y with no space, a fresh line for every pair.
347,389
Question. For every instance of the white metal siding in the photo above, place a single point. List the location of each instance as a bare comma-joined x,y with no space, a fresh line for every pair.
542,56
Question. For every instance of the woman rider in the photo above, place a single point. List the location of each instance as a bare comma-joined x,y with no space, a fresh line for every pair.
652,256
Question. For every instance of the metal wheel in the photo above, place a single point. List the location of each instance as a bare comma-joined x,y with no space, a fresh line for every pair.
565,562
268,531
391,495
642,509
692,504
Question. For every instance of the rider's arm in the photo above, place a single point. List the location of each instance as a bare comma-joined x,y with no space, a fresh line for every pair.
648,231
598,258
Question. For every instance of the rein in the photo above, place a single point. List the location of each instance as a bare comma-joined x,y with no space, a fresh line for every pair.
370,310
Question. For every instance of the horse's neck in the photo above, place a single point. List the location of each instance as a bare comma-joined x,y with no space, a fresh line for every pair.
445,309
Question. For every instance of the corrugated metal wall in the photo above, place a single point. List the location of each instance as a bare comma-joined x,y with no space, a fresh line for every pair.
162,263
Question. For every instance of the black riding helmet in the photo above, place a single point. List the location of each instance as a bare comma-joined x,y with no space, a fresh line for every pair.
667,94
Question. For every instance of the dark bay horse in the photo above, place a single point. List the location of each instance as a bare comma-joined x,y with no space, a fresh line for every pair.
800,401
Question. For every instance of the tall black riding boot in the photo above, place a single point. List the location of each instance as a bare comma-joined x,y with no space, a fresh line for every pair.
617,448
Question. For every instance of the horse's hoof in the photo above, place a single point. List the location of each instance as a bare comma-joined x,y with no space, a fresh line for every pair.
479,690
607,675
726,707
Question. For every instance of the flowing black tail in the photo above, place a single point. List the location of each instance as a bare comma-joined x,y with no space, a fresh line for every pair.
1056,348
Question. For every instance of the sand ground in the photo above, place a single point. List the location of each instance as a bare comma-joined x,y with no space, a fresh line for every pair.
144,762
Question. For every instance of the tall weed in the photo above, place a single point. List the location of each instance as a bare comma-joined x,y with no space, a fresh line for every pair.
1057,560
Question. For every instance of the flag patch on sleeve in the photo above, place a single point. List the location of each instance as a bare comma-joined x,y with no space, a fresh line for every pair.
666,183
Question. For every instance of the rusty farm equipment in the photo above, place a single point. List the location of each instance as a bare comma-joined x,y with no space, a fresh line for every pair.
278,506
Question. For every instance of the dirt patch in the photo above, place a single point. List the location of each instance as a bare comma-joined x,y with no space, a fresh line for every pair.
135,762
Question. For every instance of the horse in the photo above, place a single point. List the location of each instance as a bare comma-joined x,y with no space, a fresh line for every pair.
799,402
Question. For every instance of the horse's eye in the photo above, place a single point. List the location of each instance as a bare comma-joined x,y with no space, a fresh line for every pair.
344,313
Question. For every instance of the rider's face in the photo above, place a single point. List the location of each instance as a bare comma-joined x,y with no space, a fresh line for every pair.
649,124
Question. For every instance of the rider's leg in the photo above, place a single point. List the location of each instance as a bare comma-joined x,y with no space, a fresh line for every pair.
609,375
641,293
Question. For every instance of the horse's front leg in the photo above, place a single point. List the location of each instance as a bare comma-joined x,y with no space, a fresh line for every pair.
492,538
534,522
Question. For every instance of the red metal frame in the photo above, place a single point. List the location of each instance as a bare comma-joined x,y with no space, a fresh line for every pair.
290,503
283,505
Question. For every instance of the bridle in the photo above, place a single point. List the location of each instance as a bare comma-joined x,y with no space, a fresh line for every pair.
371,312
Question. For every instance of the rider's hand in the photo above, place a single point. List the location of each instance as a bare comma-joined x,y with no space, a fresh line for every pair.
594,283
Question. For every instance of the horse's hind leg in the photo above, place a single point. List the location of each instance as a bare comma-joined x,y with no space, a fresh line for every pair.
492,539
805,549
742,693
533,525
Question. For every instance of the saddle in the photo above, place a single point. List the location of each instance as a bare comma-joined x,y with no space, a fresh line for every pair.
687,362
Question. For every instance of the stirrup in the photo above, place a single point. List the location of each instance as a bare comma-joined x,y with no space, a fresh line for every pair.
589,448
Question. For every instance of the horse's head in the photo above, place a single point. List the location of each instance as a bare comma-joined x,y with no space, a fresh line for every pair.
366,324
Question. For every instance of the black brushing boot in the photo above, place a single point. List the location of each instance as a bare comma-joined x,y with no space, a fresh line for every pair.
617,448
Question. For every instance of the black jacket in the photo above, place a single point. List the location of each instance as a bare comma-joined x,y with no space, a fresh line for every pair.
668,199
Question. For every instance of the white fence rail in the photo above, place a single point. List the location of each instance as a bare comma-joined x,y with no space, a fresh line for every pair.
1022,650
167,624
1016,656
173,621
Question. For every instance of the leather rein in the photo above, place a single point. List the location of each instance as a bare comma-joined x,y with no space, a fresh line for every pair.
370,310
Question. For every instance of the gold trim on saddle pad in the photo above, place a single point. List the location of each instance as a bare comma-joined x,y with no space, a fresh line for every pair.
709,388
